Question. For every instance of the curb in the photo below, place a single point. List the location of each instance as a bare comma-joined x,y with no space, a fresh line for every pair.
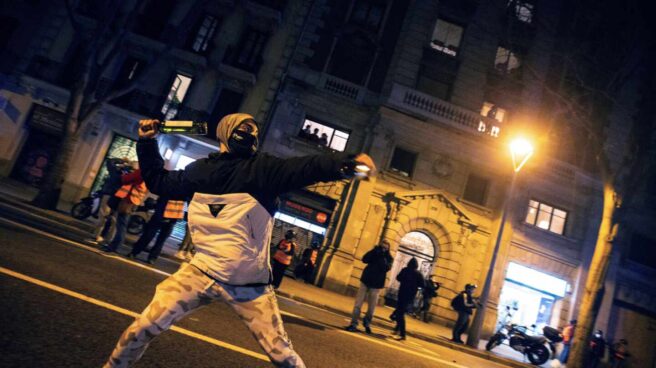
378,322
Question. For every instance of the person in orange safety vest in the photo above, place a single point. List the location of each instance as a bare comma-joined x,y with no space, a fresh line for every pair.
283,256
167,213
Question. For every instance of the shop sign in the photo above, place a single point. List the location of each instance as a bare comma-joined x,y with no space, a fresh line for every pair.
48,120
305,213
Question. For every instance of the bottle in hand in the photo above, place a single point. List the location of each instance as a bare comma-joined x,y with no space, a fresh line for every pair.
183,127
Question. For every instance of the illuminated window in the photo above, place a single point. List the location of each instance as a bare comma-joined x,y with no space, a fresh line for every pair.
546,217
446,37
506,61
522,10
493,111
324,135
175,96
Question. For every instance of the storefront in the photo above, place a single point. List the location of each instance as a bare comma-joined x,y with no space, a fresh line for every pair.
45,130
531,297
308,214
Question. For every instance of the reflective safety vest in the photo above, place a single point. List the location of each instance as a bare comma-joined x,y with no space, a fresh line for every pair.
136,192
174,210
313,257
285,252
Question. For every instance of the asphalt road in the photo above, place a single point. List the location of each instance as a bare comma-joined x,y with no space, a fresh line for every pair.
63,304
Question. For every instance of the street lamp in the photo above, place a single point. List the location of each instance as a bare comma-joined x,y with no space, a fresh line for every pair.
521,150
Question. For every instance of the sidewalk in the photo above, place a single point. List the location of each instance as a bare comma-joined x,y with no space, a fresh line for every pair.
14,205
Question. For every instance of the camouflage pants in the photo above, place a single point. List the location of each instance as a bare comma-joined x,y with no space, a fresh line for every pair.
189,289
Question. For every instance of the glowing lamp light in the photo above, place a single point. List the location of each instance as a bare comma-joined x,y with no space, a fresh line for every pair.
521,151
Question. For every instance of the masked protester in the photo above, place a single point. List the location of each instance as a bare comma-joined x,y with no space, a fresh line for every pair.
232,198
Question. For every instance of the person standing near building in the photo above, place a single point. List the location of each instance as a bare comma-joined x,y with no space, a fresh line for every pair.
283,257
619,354
108,202
234,195
379,262
428,292
568,336
130,195
597,349
305,267
167,213
410,280
464,304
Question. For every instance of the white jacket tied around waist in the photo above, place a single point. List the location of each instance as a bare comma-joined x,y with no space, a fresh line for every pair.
227,231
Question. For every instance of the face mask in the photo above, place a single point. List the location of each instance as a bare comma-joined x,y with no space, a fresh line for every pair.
242,144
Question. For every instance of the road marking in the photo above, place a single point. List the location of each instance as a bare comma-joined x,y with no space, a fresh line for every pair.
130,313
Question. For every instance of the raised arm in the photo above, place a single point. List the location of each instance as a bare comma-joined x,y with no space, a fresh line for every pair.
170,184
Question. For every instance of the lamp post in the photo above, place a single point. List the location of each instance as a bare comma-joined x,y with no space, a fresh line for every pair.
521,150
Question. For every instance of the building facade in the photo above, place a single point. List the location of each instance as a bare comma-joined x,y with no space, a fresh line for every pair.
432,90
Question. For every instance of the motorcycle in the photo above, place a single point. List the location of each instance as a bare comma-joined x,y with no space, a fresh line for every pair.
533,347
87,206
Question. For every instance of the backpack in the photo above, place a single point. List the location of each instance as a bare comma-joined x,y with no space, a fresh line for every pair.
458,303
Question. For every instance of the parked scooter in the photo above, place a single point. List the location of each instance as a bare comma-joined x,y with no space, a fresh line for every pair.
87,206
533,347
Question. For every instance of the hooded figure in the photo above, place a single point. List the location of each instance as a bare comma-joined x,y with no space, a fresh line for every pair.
410,280
232,197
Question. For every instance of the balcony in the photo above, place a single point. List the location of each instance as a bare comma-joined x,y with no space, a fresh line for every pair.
429,107
333,85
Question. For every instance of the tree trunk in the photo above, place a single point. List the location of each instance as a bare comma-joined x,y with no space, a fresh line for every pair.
50,189
595,280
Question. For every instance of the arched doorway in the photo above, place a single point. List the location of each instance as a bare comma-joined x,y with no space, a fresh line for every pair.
414,244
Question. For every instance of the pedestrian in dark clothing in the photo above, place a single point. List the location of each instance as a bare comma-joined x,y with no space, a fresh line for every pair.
464,304
324,139
167,213
379,262
619,354
233,199
283,257
314,137
186,250
410,280
428,292
597,349
305,267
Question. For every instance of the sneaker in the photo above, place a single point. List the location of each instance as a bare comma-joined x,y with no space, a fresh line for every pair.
351,328
399,338
99,239
457,341
367,329
393,317
180,255
107,249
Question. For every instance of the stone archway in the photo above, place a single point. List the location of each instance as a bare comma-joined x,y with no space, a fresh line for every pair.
414,244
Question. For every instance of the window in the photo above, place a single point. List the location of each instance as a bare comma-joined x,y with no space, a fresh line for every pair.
324,135
546,217
507,61
403,162
446,37
205,30
175,96
643,250
368,14
250,52
493,111
476,189
522,10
